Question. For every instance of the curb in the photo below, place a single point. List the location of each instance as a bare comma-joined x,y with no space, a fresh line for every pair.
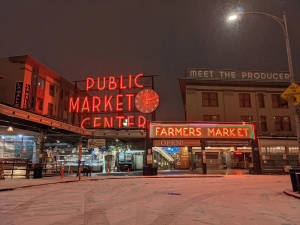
293,194
106,178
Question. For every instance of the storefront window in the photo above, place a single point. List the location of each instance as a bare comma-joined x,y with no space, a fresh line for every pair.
17,147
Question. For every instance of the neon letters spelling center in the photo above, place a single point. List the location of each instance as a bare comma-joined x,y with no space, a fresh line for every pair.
112,101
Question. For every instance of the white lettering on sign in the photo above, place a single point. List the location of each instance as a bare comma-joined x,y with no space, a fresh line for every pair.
237,75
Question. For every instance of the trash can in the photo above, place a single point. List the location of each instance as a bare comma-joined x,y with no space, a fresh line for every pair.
154,171
147,171
37,171
298,181
293,178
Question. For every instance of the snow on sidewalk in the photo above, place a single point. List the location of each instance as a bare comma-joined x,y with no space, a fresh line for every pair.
11,184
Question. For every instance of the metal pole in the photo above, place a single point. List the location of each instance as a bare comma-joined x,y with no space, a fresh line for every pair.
79,157
292,80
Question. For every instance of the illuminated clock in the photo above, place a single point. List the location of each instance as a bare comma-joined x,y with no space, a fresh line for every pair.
146,101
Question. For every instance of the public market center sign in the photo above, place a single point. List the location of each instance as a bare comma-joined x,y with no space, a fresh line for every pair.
110,101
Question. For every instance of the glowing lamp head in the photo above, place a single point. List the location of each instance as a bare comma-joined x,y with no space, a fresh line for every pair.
232,18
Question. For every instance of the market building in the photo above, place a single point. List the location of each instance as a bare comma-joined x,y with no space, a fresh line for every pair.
223,96
98,122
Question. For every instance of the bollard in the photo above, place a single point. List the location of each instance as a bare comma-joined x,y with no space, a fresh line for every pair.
62,171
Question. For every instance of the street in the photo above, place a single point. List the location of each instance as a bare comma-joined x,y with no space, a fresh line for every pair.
246,199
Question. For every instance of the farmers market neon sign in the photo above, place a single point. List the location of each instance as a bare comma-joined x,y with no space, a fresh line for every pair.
201,130
145,101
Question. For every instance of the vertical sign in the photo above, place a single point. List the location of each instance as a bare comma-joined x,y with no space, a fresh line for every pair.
18,94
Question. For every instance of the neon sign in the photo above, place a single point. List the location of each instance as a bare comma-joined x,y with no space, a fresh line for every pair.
122,104
201,130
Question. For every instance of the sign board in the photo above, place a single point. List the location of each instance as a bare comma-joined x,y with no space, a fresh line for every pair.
292,94
96,143
149,158
115,102
208,74
176,142
201,130
18,94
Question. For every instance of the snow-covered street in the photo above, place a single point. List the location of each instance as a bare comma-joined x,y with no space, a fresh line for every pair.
247,199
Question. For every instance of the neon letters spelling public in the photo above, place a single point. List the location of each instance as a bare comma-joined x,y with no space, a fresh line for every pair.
110,103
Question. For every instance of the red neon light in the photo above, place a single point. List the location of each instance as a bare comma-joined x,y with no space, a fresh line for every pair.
107,103
146,101
129,122
121,83
108,123
129,81
96,123
74,107
141,122
96,107
136,80
119,103
89,83
238,153
83,122
85,105
112,84
129,96
120,120
201,131
103,83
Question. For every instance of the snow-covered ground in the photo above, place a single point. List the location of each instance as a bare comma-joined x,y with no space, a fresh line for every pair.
246,199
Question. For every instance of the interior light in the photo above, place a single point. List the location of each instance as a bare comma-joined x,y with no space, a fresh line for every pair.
10,129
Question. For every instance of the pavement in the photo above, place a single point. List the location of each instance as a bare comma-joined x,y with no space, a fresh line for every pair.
118,200
13,184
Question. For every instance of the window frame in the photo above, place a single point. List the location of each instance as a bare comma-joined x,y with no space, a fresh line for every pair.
245,102
210,99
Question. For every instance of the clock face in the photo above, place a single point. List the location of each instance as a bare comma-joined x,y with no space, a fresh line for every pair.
146,101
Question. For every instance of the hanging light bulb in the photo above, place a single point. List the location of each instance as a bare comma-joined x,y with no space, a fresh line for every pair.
10,129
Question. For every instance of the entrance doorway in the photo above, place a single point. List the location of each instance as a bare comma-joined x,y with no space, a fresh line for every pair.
222,159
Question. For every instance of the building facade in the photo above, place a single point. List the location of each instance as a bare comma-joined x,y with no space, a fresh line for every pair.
32,86
246,96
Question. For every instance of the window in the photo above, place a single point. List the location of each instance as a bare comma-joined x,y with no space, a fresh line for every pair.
41,83
50,109
40,103
51,90
210,99
278,102
211,117
282,123
247,119
261,100
245,101
263,123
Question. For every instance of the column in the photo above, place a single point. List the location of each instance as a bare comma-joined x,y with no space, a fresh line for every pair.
204,168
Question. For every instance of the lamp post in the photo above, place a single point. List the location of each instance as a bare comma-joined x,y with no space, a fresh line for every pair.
283,24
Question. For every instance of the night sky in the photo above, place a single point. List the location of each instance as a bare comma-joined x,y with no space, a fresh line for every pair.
80,38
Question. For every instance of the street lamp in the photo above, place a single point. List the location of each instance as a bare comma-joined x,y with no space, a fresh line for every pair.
283,24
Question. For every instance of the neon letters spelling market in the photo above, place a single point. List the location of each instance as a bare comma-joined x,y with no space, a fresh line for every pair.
109,103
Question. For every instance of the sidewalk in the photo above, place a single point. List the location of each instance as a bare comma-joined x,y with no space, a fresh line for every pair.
12,184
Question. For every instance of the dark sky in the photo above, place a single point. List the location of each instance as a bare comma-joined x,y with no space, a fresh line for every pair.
77,38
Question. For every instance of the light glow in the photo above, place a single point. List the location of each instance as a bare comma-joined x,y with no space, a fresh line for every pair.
232,17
